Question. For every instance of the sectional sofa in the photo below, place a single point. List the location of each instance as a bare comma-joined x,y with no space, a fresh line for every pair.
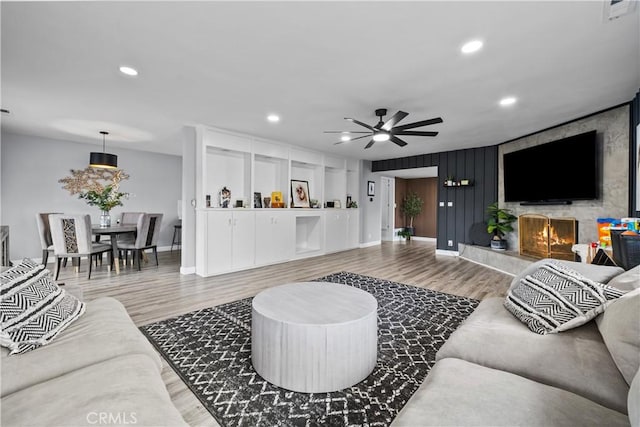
495,371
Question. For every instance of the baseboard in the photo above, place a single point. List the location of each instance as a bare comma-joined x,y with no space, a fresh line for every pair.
187,270
424,239
446,253
369,244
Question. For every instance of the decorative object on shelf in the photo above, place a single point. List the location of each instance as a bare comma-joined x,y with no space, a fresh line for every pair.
99,187
208,200
465,182
329,204
314,203
299,194
352,205
348,200
267,202
276,199
337,204
449,182
371,188
104,159
225,197
257,200
411,207
239,203
499,224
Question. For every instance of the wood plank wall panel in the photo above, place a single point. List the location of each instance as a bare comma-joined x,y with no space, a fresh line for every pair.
469,204
401,191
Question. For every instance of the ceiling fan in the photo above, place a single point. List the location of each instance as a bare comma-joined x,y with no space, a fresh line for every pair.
388,131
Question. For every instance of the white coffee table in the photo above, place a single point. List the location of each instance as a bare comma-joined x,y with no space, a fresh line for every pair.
314,337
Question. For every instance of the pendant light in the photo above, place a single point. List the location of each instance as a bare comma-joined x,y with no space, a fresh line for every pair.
103,160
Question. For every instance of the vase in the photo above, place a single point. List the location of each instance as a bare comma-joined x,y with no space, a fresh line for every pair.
105,219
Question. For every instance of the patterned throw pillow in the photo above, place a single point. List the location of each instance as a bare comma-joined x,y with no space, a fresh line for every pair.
33,308
555,298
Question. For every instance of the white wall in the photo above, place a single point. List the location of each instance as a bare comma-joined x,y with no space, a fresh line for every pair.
32,166
370,219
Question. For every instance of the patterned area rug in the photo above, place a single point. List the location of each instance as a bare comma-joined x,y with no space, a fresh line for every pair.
210,350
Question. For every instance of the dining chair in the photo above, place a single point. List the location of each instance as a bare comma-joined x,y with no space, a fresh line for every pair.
147,234
71,235
44,231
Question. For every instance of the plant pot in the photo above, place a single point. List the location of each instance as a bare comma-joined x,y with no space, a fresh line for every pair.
499,245
411,230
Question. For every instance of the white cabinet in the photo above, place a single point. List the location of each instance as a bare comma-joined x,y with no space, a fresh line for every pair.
229,244
336,230
353,228
275,240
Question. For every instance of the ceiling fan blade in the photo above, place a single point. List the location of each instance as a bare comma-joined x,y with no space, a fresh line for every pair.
360,123
369,144
353,139
397,141
393,120
418,124
416,133
344,131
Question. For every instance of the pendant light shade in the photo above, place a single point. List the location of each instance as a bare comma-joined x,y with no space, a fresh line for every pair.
103,160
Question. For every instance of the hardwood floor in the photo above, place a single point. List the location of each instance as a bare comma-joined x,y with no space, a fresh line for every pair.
158,293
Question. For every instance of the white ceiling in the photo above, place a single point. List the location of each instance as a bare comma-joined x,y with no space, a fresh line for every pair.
229,64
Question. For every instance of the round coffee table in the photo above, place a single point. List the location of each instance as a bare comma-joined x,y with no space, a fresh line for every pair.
314,337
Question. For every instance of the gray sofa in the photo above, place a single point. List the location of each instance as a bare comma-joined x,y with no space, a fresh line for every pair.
493,371
100,370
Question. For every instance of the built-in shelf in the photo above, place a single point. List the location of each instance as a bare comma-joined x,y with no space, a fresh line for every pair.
461,183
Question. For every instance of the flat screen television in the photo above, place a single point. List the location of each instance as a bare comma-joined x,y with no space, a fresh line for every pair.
555,172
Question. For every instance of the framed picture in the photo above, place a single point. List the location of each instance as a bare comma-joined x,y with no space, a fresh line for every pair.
257,200
371,188
299,194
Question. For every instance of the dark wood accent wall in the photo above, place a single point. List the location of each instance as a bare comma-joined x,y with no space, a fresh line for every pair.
479,165
425,224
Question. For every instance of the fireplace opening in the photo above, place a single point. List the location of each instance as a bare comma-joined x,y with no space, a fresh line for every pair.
544,237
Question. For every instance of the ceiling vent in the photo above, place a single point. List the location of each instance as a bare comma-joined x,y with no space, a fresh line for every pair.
614,9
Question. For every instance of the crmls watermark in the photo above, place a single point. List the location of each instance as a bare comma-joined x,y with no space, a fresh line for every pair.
112,418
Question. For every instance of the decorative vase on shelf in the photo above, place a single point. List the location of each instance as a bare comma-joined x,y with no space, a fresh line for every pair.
105,219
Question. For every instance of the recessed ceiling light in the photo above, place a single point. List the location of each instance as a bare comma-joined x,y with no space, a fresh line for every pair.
472,46
128,71
345,138
273,118
509,100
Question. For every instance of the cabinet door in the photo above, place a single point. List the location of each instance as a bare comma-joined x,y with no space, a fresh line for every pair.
243,244
336,231
218,244
274,236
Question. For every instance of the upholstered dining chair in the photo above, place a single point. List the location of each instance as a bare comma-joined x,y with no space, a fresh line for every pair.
71,235
44,231
147,234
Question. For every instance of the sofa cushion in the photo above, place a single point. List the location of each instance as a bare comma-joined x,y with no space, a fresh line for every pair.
576,360
459,393
634,401
105,331
33,308
555,298
597,273
627,281
126,390
619,326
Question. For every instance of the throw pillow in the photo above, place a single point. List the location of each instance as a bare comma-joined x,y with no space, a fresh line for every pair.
555,298
33,308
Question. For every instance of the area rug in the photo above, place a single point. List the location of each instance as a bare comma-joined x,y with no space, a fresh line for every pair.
210,350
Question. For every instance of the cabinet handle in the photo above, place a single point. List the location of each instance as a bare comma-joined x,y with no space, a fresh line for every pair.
229,221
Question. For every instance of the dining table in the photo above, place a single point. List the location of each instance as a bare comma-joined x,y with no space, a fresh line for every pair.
113,232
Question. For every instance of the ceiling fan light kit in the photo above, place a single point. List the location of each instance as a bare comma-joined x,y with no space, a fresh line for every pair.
388,131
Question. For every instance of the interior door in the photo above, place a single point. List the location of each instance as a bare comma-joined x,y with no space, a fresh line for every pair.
387,206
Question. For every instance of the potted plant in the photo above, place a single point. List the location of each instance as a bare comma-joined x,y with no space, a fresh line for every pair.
411,207
499,224
405,234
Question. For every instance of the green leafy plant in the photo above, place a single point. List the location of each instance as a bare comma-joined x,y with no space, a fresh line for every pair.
106,199
412,206
406,234
500,220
